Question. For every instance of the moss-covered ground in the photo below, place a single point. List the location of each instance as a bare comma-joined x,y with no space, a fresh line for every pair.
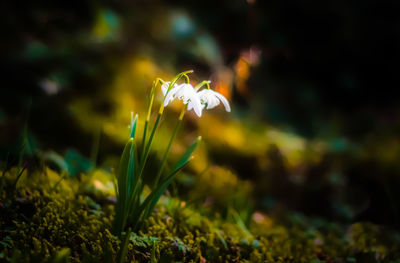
47,217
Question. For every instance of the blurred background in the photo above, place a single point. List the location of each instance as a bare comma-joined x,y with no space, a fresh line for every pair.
314,126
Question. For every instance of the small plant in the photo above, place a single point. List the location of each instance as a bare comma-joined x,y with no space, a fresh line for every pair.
131,209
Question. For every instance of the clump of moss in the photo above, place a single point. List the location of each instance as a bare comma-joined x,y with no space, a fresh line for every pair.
372,241
47,213
51,218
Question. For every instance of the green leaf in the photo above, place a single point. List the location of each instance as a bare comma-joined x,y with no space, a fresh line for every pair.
135,183
131,169
123,169
133,125
122,180
77,163
154,196
151,200
57,159
187,155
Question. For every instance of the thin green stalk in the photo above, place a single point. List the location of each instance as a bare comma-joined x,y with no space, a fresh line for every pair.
20,172
164,159
124,247
180,76
203,83
146,123
148,145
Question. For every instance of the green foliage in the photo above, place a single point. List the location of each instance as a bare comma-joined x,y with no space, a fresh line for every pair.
130,210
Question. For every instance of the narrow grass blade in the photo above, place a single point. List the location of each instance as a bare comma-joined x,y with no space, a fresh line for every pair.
63,175
21,171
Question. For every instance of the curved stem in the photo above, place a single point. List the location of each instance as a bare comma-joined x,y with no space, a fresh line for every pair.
164,160
203,83
186,79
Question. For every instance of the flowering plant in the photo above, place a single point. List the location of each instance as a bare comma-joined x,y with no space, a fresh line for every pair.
131,209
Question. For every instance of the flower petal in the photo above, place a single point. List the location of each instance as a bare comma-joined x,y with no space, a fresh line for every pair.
224,101
197,107
194,100
170,95
213,101
164,87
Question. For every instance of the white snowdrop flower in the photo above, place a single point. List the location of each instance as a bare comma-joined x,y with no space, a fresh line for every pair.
169,95
187,94
210,99
164,87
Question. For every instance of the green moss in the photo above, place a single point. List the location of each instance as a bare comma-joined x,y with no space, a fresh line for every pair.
45,220
43,223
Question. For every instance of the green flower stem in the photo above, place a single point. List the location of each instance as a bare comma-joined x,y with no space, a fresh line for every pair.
203,83
164,160
146,150
146,123
180,76
124,247
187,81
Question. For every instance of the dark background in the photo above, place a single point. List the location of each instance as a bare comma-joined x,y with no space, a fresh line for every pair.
327,70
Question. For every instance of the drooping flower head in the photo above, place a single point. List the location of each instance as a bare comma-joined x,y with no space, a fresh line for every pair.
194,99
211,99
184,92
164,87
